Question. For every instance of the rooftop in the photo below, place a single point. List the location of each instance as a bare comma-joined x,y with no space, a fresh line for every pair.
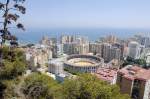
134,72
107,74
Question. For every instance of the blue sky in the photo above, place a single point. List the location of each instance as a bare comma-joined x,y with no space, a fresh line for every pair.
87,13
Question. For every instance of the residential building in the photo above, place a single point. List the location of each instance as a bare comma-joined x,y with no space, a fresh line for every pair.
106,52
134,81
107,74
51,43
75,45
110,52
134,49
82,48
95,48
55,66
38,56
111,39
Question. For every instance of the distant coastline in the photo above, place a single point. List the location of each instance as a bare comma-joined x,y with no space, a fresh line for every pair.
34,35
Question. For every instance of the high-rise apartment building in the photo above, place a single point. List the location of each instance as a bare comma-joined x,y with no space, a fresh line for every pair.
110,52
51,43
82,48
145,41
95,48
106,52
134,81
134,49
55,66
75,45
67,39
111,39
115,53
69,48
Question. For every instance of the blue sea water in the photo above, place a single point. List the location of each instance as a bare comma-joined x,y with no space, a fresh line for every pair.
34,35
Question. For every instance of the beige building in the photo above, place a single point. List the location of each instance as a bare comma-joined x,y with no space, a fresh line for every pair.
75,45
67,39
51,43
95,48
106,51
82,48
38,56
111,39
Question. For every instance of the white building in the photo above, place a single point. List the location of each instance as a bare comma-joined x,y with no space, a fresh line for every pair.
38,56
145,41
55,66
134,50
115,53
106,51
95,48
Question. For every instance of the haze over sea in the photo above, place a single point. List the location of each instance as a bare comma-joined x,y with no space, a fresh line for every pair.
34,35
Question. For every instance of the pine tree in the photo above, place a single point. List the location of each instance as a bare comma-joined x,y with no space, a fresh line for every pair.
10,11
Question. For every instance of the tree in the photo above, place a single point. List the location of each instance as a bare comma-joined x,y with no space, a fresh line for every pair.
12,67
10,87
14,63
87,86
2,88
140,62
11,70
40,86
10,13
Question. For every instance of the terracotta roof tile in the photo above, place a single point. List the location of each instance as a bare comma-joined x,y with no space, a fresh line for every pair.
135,72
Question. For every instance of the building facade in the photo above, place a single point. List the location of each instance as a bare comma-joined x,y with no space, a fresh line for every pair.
95,48
134,81
75,45
55,66
38,56
134,50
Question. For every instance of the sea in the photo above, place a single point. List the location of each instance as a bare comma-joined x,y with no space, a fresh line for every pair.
34,35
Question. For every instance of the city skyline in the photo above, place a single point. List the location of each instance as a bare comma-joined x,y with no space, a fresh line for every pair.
74,49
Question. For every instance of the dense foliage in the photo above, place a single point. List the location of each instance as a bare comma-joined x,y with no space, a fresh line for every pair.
12,66
13,63
40,86
87,86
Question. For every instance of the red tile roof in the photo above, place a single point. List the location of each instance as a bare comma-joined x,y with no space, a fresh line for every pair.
106,74
135,72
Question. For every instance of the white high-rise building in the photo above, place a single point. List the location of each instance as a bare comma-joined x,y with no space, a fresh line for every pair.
145,41
134,50
95,48
55,66
106,51
110,52
115,53
75,45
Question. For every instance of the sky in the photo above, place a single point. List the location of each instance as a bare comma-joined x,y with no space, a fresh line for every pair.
87,13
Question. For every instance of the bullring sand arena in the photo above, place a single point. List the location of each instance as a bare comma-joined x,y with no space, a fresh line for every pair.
83,63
